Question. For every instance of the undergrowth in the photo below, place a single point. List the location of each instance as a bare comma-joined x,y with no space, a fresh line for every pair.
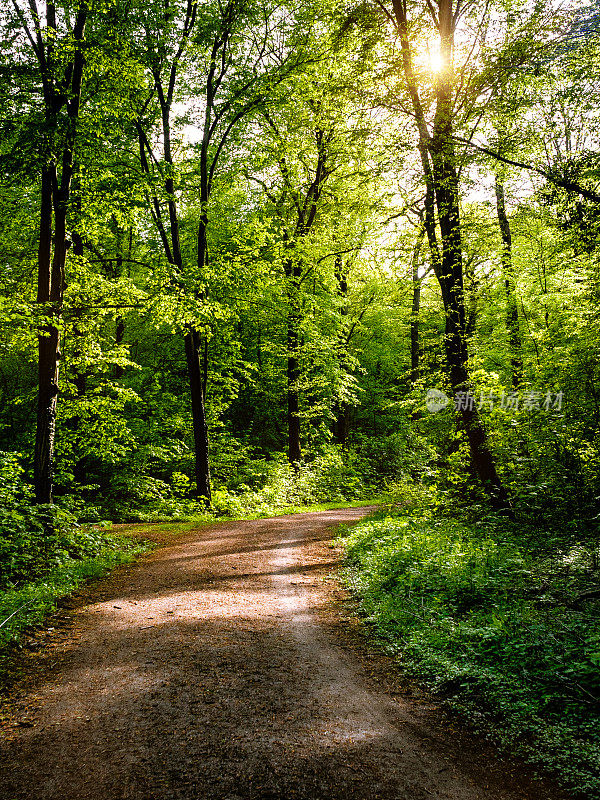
258,488
485,613
45,554
25,606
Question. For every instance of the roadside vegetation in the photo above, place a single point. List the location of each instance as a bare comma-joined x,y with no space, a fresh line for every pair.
499,619
45,554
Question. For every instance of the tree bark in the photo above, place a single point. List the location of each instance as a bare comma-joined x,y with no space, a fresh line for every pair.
415,344
440,171
119,336
307,212
293,272
48,348
198,364
53,245
341,423
193,346
415,370
293,400
79,374
512,307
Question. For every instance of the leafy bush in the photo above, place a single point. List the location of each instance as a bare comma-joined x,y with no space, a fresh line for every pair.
402,455
44,554
36,540
274,485
33,539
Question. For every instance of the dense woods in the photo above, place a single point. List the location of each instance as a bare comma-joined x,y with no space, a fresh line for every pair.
259,254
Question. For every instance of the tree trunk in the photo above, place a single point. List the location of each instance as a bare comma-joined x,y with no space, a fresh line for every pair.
52,251
441,179
341,429
307,212
48,354
443,157
48,347
172,246
293,371
293,274
50,292
293,402
119,336
49,351
197,361
512,308
415,370
415,344
79,375
120,322
341,410
193,345
451,282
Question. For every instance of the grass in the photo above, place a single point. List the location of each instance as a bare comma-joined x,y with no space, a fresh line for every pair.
330,506
25,607
493,625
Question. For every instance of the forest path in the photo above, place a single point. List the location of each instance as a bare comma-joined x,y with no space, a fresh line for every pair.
219,667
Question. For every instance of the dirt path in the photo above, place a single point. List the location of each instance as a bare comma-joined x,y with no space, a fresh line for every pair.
218,668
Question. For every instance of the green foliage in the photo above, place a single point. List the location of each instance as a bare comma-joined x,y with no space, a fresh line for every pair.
33,539
266,487
38,540
503,634
45,554
92,556
396,456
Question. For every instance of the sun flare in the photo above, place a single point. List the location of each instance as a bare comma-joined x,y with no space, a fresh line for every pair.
435,58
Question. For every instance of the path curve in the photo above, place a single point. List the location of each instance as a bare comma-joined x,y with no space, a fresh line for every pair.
216,670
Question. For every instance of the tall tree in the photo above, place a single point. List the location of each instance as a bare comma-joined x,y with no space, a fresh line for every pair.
512,307
314,176
222,63
441,166
167,35
55,34
448,91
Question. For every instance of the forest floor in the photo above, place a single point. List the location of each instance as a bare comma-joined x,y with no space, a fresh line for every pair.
228,664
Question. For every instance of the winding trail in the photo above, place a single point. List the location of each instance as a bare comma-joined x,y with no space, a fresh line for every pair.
219,668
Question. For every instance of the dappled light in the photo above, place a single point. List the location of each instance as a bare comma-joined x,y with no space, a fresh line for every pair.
247,693
268,266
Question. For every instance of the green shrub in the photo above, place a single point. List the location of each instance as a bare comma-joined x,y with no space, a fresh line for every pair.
26,606
498,630
44,553
33,538
274,484
36,540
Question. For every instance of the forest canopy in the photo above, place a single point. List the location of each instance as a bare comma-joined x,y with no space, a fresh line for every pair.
233,231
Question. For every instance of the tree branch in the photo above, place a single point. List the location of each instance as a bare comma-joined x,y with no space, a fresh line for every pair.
569,186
